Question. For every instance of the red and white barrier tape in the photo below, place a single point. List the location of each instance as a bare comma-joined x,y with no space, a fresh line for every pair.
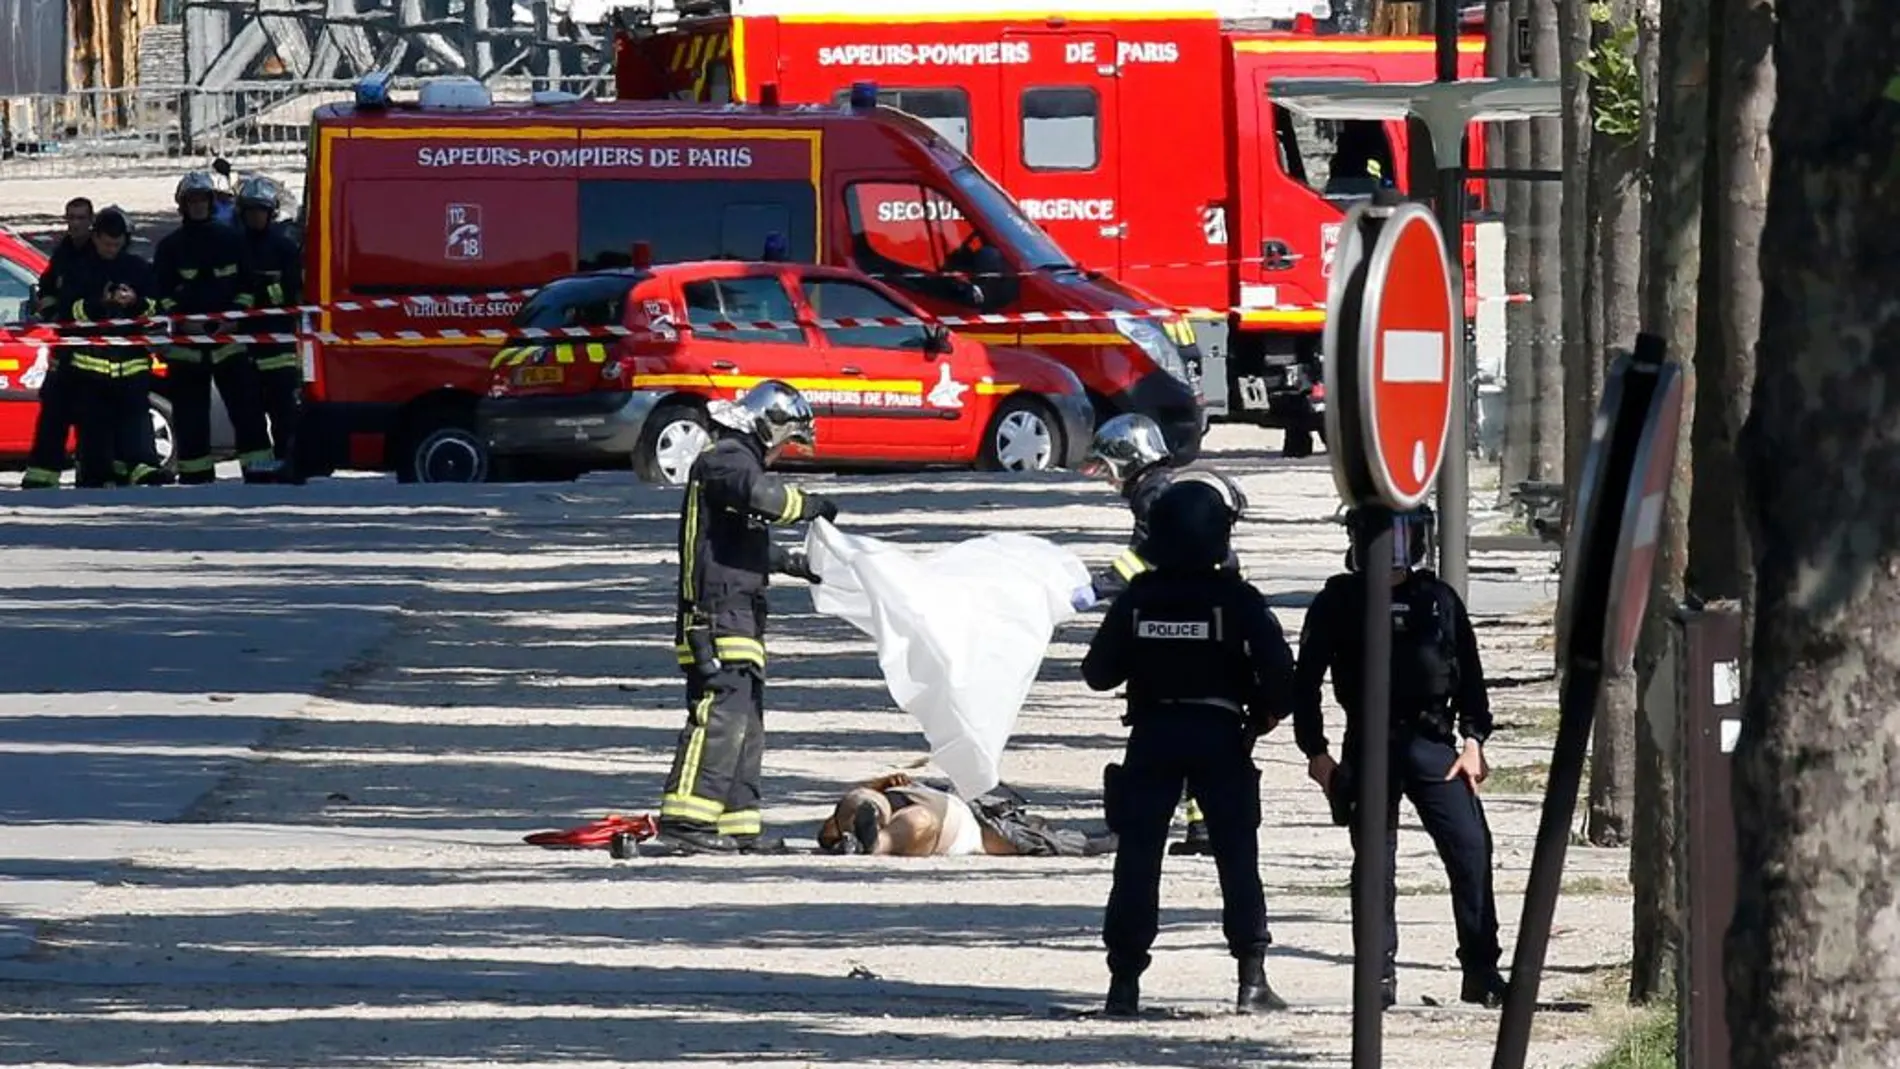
535,334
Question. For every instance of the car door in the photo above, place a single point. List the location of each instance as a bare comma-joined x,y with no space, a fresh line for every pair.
899,401
737,352
19,380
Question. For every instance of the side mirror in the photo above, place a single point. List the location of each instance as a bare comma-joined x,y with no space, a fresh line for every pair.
936,339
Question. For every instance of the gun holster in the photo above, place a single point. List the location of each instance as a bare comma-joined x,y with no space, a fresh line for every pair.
1113,796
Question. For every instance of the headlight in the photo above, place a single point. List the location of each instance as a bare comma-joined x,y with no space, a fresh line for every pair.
1152,340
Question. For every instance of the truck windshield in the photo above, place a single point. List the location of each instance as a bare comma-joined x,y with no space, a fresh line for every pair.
1036,248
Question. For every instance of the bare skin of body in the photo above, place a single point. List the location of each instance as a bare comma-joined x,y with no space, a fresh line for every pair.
912,831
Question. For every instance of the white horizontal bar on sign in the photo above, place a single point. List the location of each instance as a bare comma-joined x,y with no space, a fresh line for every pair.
1412,356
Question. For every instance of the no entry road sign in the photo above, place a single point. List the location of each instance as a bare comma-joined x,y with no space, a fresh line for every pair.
1409,331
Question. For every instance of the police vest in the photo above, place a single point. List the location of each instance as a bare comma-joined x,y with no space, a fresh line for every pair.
1424,644
1185,653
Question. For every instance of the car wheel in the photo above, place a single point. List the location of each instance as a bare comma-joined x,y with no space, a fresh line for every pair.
445,450
675,435
164,432
1021,437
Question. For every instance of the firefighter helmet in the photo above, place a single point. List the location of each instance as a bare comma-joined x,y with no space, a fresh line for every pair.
258,191
774,412
1124,447
194,183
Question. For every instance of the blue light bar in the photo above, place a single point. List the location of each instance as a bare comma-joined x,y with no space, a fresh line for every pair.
372,91
863,95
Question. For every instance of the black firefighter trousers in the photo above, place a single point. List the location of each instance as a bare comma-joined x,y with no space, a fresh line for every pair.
280,389
1454,818
57,416
193,370
714,786
1206,750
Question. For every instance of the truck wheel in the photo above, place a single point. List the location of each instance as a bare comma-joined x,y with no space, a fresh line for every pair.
1023,436
675,435
164,432
444,448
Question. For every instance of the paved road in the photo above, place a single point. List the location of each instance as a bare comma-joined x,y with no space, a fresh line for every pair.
282,880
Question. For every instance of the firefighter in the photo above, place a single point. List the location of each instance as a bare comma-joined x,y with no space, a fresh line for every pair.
277,271
109,384
711,800
1208,672
1440,720
1130,451
203,267
56,418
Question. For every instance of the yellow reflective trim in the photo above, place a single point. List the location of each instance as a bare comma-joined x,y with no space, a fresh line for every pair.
275,292
794,504
564,353
689,548
225,352
741,822
187,273
245,300
1194,811
1357,46
1283,317
196,465
180,354
79,312
596,353
695,748
278,362
1128,564
686,807
224,272
739,650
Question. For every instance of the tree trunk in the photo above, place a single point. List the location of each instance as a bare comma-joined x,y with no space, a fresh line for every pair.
1813,963
1546,148
1721,562
1521,460
1672,277
1559,304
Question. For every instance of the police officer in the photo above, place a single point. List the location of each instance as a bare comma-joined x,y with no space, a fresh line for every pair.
277,273
1132,454
47,457
109,384
203,267
1441,717
1208,671
711,800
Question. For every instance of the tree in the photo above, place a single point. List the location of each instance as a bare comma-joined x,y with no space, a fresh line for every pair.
1547,146
1813,953
1672,278
1611,273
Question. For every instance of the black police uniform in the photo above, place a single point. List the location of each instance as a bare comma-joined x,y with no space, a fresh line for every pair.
277,273
1207,670
726,553
203,267
1142,492
58,414
1437,688
109,384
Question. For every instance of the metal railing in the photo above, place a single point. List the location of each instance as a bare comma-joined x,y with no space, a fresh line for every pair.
147,129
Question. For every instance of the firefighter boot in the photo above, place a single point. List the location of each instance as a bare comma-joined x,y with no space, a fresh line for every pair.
675,842
1124,997
761,844
1196,842
1256,995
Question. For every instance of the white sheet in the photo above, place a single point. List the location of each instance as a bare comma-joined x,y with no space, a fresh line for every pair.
960,632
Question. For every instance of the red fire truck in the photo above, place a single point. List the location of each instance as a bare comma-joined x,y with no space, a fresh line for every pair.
1141,134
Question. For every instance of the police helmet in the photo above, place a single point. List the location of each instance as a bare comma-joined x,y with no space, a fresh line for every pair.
774,412
1231,496
1124,447
257,191
1190,526
1411,536
192,184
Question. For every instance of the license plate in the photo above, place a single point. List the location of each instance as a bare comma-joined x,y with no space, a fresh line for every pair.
537,376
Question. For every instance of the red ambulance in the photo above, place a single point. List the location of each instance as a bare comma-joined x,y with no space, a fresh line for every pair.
422,219
1141,134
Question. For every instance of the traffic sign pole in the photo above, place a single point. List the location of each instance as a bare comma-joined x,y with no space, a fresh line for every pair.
1608,560
1390,357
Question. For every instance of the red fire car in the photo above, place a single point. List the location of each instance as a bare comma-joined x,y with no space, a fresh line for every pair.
912,394
23,351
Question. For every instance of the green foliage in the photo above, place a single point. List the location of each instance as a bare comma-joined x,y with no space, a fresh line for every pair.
1616,86
1893,89
1650,1043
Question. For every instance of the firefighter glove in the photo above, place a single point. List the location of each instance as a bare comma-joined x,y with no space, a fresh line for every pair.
798,566
1083,598
824,508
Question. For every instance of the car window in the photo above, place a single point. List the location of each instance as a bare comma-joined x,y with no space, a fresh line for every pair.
741,300
15,284
1061,129
946,111
839,299
578,302
697,220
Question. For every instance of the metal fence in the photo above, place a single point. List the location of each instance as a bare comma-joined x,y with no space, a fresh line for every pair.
147,129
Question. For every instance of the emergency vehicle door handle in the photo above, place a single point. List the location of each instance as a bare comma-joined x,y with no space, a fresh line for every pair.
1117,230
849,370
724,365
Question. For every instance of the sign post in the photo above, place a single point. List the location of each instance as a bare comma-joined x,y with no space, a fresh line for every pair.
1392,331
1608,560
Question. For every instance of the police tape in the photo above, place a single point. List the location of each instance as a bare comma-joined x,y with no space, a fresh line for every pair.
505,335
